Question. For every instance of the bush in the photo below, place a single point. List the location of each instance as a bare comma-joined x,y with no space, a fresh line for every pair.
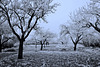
7,45
91,43
10,50
63,49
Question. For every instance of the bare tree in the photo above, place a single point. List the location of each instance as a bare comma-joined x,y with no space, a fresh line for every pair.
63,32
93,13
24,15
89,16
76,34
44,37
75,31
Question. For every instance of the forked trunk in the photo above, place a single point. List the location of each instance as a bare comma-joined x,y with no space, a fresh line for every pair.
20,53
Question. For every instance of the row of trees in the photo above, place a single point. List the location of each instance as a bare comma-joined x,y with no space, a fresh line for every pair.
41,37
23,16
44,37
86,25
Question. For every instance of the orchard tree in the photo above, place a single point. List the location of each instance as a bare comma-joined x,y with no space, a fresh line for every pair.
89,16
75,34
78,29
23,15
44,37
63,31
92,14
75,31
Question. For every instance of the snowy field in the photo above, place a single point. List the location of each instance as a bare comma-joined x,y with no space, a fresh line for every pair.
53,55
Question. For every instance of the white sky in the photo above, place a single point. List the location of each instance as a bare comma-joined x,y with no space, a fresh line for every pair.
61,14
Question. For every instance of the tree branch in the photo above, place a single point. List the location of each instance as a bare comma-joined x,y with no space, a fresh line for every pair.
5,41
96,22
20,21
8,18
31,28
96,28
12,26
17,26
72,39
78,38
29,22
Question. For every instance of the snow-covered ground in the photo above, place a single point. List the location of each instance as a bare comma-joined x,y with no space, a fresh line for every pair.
53,56
51,47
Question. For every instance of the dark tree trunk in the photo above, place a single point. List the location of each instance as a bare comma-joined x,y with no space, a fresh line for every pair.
62,43
20,53
41,45
0,43
75,47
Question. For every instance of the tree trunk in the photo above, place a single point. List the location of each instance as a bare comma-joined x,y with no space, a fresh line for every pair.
0,43
75,47
62,43
20,53
41,45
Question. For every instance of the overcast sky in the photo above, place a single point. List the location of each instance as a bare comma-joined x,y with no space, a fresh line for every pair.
62,14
